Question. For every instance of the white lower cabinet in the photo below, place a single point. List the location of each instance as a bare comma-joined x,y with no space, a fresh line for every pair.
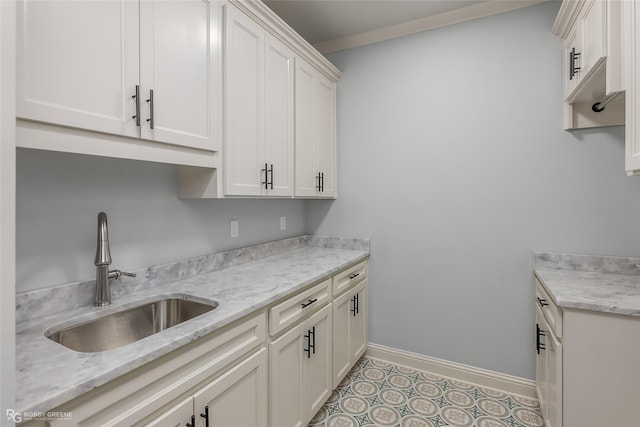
300,370
548,372
177,415
587,366
235,377
349,330
237,398
228,366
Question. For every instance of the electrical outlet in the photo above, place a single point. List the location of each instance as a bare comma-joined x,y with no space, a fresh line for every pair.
234,229
283,222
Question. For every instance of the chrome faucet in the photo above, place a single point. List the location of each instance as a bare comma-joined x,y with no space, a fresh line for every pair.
102,262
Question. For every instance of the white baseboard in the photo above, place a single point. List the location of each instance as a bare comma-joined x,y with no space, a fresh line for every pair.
469,374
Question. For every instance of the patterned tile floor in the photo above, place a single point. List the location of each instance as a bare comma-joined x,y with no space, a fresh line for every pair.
376,393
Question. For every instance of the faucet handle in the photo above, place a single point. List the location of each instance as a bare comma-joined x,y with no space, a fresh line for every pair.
115,274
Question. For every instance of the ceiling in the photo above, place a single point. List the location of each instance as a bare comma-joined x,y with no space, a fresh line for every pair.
322,21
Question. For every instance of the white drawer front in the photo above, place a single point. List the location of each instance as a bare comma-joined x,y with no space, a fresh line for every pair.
297,307
349,277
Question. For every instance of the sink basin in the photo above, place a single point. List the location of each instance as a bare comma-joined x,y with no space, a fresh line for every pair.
125,327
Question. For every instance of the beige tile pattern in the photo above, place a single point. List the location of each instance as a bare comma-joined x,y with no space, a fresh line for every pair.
376,393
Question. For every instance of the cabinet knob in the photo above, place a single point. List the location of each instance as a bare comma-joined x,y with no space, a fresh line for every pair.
543,302
193,421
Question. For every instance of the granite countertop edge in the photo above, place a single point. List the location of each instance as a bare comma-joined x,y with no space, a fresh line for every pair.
240,291
590,282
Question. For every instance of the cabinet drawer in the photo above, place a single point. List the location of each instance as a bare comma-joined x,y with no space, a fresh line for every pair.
298,306
349,277
550,310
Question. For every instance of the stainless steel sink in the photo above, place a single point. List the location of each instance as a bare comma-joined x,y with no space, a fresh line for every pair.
130,325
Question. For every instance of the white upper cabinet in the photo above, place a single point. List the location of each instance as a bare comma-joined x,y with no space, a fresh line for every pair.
244,81
593,22
279,113
315,133
278,130
592,71
601,39
176,64
631,26
78,64
571,60
81,64
259,110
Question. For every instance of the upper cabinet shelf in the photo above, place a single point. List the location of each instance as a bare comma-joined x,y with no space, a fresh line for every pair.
591,34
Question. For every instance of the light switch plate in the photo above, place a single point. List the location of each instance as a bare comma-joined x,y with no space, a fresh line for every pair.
283,222
234,229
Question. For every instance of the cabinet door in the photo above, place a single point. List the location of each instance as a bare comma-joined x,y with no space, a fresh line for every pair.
285,379
306,175
77,64
541,362
594,34
317,374
324,147
315,132
177,54
238,397
554,380
359,336
278,120
631,55
244,80
342,307
350,336
176,416
571,45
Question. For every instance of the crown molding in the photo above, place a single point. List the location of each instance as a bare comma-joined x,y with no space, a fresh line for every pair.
282,31
567,15
463,14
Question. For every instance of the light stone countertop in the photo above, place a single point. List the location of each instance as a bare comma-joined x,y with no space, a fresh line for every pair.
49,374
587,282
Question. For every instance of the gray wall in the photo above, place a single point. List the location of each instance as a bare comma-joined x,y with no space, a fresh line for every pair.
59,196
452,158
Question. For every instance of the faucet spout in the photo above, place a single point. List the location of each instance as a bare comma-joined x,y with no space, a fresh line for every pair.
102,262
103,255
